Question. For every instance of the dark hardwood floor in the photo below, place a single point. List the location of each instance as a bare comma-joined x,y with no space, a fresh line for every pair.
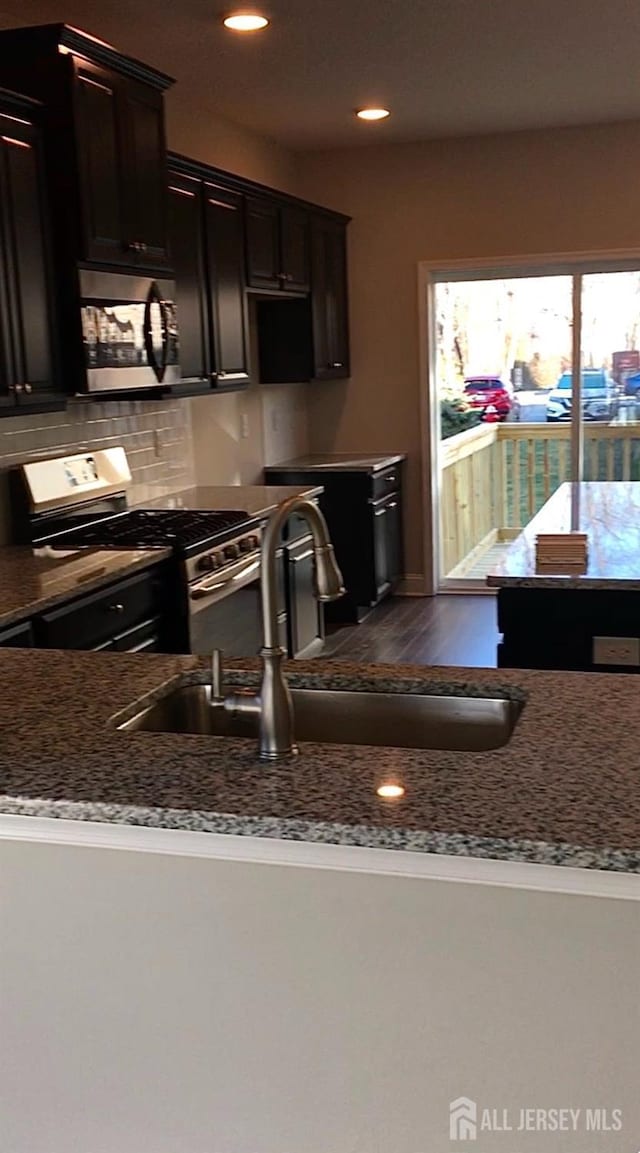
441,630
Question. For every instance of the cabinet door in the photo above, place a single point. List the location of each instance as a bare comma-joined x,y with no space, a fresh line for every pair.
227,306
329,300
263,244
186,237
90,621
304,611
386,543
294,248
144,174
26,370
100,149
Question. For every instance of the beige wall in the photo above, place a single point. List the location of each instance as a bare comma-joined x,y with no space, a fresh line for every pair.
197,130
488,197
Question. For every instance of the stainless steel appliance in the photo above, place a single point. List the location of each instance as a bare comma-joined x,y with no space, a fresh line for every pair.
129,331
79,502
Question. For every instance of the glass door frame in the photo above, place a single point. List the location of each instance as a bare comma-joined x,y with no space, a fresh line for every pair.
431,273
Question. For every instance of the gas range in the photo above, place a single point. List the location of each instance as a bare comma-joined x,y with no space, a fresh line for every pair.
79,502
205,541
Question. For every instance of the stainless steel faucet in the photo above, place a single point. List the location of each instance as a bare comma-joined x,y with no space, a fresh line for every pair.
273,700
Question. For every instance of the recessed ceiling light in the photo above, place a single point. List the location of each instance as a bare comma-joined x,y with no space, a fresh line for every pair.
245,22
373,113
390,791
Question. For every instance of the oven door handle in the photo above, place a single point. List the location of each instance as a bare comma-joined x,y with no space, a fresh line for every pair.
205,588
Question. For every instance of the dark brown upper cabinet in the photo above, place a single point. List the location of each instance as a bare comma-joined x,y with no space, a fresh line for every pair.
207,242
329,301
220,225
277,246
308,338
103,123
27,379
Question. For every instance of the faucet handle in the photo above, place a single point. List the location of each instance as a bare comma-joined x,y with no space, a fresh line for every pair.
217,675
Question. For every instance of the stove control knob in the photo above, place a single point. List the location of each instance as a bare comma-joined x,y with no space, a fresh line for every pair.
207,563
248,543
231,552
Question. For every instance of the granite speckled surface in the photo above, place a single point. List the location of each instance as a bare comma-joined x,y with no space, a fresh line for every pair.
345,461
257,499
564,790
608,511
34,580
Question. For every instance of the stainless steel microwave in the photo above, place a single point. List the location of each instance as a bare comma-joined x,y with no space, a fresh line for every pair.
129,331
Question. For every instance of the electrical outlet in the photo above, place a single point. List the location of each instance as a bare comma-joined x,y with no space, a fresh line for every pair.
244,426
616,650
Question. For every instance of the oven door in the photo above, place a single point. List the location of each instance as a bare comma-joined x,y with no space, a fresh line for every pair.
224,613
129,331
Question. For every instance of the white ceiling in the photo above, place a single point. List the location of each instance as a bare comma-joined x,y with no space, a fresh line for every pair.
444,67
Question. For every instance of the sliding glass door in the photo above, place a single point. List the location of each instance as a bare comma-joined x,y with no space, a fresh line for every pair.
514,418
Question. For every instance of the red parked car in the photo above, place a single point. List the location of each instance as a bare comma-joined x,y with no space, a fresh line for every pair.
493,396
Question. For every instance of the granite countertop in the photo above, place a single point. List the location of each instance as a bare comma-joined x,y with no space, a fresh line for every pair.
32,580
563,791
608,511
345,461
258,499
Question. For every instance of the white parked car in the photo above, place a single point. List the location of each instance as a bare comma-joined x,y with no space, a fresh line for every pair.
599,396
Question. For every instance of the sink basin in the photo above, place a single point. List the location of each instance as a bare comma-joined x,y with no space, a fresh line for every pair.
397,720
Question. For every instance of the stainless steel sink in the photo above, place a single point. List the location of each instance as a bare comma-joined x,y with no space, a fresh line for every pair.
397,720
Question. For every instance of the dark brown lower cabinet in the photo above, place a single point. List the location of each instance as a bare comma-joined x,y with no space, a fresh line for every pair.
132,615
363,510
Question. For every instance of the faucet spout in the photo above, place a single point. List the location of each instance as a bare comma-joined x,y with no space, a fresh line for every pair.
274,699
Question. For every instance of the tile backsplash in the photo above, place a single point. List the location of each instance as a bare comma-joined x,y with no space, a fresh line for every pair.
156,436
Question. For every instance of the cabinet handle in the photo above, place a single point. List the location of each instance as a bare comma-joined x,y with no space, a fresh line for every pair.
335,364
117,608
28,389
137,246
221,373
17,388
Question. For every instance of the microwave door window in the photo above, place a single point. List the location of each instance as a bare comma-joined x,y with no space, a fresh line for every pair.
114,335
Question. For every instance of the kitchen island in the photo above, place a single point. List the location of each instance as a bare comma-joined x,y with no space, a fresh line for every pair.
567,802
550,620
201,951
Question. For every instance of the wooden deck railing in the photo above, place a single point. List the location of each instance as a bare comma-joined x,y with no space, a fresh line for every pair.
495,477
